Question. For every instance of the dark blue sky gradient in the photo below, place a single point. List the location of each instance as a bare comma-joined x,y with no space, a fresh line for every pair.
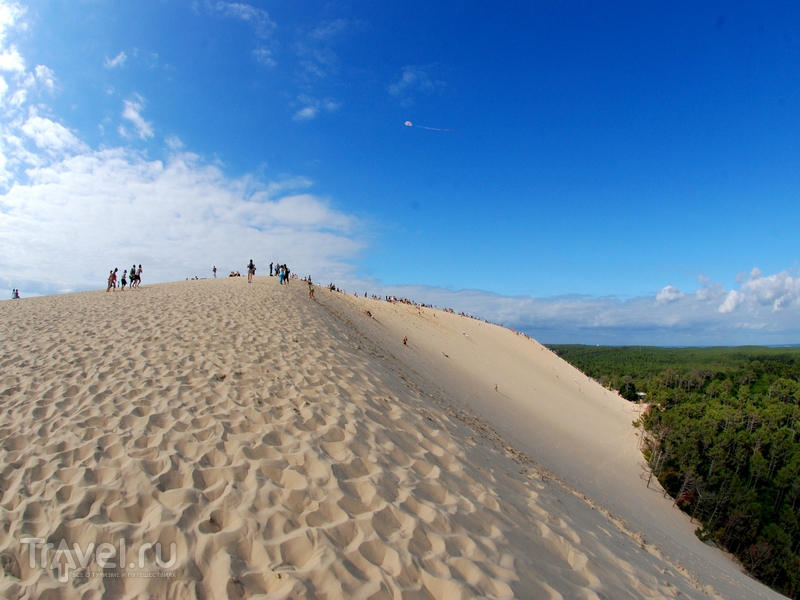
598,148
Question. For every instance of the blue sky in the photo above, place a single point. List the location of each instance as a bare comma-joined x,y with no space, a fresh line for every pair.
619,172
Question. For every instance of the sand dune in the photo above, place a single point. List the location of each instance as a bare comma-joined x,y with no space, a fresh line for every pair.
292,448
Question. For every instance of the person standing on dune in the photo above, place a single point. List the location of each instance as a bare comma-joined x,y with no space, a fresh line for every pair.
251,270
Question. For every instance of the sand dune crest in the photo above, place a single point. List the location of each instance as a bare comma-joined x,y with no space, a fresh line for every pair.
277,447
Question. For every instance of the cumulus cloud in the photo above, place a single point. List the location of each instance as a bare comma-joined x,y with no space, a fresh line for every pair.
732,300
11,61
51,137
776,292
763,310
94,210
132,112
669,294
117,61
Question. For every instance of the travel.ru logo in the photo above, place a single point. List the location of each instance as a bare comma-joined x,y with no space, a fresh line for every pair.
105,556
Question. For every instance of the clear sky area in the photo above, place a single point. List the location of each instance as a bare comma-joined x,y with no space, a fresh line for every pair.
615,172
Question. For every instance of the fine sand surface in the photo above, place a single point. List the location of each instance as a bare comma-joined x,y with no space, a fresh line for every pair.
293,448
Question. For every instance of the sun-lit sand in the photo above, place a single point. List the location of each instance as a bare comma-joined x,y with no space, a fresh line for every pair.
293,448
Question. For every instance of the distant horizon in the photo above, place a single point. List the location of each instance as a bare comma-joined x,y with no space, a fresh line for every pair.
383,291
603,173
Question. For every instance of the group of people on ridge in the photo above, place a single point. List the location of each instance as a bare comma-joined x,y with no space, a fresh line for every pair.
281,271
135,278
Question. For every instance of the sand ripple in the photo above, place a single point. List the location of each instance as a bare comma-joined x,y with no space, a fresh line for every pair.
249,428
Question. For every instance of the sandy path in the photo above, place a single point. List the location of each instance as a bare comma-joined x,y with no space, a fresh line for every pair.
289,449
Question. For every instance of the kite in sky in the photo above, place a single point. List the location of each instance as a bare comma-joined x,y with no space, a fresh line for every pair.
410,124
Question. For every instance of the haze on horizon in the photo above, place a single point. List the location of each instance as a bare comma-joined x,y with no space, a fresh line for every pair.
617,174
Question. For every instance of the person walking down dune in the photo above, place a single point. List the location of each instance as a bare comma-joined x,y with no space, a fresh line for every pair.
251,270
311,290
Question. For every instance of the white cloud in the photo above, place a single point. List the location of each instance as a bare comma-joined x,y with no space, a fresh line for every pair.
69,212
669,294
313,106
132,112
117,61
327,30
53,138
306,114
732,300
765,310
264,56
256,17
315,52
777,291
174,142
77,217
11,61
407,79
10,15
46,78
414,80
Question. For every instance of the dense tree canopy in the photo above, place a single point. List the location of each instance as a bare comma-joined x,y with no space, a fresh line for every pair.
722,440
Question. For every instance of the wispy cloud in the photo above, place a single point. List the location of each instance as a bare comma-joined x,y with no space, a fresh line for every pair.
415,80
69,212
263,27
117,61
258,18
132,112
264,56
45,77
312,107
315,52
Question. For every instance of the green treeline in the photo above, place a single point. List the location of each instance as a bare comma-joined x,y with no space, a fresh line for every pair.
722,439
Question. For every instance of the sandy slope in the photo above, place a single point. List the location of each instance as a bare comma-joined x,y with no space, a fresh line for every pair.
293,448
